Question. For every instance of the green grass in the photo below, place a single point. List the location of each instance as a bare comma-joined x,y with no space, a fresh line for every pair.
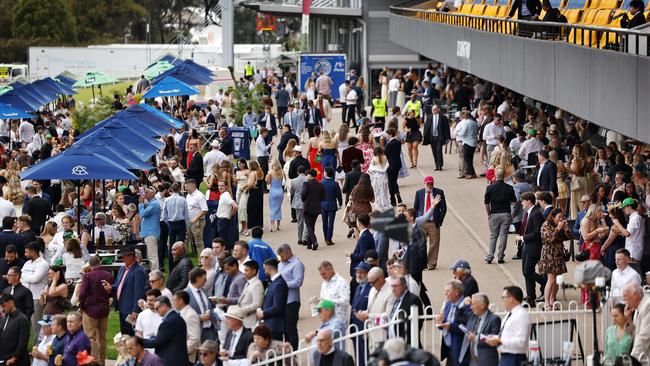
85,94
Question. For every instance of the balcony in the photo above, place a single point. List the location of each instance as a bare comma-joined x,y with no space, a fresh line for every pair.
325,8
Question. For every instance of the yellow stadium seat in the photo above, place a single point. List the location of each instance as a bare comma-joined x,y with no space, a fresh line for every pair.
465,9
491,11
597,17
503,11
604,4
479,9
572,15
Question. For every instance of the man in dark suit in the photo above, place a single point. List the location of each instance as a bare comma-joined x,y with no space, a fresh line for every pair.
546,173
23,297
365,242
636,9
530,235
327,355
195,170
454,314
170,342
267,119
350,154
529,12
313,118
238,338
275,300
287,135
401,310
39,209
351,178
14,333
9,237
11,259
128,289
481,323
298,160
424,199
39,192
436,134
330,204
313,193
393,153
359,302
227,143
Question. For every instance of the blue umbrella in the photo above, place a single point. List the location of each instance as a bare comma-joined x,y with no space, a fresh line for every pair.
147,120
145,145
137,128
98,147
77,165
9,112
65,80
170,87
186,74
145,108
18,102
61,87
135,153
198,68
168,58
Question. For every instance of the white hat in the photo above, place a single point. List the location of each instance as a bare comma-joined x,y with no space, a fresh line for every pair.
235,312
215,143
298,148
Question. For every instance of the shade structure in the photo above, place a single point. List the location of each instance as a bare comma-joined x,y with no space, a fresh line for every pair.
39,95
144,145
187,74
170,87
4,89
94,78
117,156
198,68
145,108
59,87
9,112
167,58
19,102
77,165
149,121
156,69
136,153
138,128
66,78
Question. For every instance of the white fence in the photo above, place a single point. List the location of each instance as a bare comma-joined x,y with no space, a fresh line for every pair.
572,323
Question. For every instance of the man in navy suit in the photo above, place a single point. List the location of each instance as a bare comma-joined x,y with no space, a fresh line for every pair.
333,200
9,237
275,300
546,173
201,304
481,323
267,119
129,287
454,314
365,242
39,209
424,199
287,135
39,192
545,202
312,118
171,339
530,235
393,153
360,303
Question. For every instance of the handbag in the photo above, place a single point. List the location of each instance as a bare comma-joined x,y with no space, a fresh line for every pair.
318,158
567,255
575,184
582,255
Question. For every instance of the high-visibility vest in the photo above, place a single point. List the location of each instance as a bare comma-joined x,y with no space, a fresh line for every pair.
415,107
380,107
248,70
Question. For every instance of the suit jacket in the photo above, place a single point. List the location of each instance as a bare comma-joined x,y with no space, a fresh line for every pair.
10,237
340,358
194,303
39,209
332,195
420,203
133,289
23,299
637,20
552,15
416,255
250,300
548,177
404,327
195,170
641,328
169,342
4,268
534,6
487,355
350,153
179,276
295,163
227,145
318,119
194,330
393,153
284,140
295,190
235,286
460,317
533,233
15,336
443,129
351,179
359,302
365,242
43,195
275,304
312,194
241,349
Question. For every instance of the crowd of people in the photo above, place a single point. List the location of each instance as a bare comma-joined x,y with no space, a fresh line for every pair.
241,301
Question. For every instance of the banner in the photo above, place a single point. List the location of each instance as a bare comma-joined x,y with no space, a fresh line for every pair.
332,64
241,137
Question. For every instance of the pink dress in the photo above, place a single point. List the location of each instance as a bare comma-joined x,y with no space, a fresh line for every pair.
368,153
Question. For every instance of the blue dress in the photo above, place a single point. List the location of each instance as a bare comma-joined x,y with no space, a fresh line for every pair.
328,159
276,195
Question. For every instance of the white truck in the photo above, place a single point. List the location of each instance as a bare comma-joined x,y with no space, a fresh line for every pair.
10,72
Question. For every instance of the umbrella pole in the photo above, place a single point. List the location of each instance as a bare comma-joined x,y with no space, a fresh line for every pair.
79,208
93,88
103,195
94,207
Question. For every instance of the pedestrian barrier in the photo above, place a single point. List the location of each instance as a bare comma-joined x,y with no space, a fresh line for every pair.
561,333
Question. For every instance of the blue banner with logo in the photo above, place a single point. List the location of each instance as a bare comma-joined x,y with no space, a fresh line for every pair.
241,137
332,64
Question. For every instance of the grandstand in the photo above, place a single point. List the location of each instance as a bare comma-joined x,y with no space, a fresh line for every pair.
589,66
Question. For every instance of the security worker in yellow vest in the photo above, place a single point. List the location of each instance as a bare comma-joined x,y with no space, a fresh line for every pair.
248,70
414,105
379,110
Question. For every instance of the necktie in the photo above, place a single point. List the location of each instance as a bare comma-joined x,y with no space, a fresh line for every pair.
12,290
434,127
395,307
6,322
231,345
119,286
428,202
204,300
522,229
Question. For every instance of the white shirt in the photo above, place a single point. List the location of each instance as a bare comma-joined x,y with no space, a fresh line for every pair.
212,158
34,276
224,210
199,299
109,232
342,93
620,279
337,289
529,146
351,97
26,131
196,203
515,145
42,347
634,242
539,171
72,265
147,323
393,85
178,176
6,209
504,109
514,331
235,338
491,132
241,263
261,148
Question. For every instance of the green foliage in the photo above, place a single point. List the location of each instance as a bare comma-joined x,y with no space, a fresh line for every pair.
86,116
243,98
105,19
50,20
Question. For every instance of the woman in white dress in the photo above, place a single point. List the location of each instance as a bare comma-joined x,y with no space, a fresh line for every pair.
379,180
341,139
401,96
310,89
383,80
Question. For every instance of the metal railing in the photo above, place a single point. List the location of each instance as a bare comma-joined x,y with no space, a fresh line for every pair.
568,326
341,4
615,39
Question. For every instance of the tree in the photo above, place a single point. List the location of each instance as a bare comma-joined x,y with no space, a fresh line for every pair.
105,20
50,20
6,18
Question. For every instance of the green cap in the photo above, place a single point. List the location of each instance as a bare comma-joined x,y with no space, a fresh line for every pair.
48,136
532,132
58,262
628,202
67,235
325,304
121,188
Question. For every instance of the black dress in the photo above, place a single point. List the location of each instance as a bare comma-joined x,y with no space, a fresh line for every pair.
256,205
414,134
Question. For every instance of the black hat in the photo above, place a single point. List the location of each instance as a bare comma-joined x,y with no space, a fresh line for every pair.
126,251
6,297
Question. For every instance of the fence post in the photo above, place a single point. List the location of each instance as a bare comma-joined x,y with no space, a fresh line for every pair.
415,328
